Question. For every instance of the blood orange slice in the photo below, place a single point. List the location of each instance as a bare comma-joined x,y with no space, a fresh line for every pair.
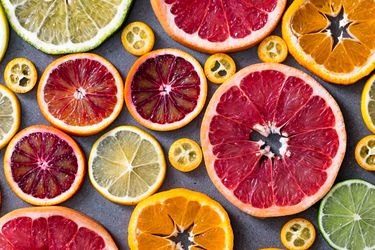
56,228
273,140
81,94
165,89
218,25
43,165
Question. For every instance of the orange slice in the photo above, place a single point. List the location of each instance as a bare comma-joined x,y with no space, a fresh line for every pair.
138,38
333,39
185,155
156,221
365,153
219,68
20,75
273,49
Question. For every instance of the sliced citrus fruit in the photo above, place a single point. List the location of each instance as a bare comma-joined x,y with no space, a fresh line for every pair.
185,155
127,165
4,35
52,228
61,27
298,234
365,153
158,222
219,68
333,39
261,128
218,25
165,89
273,49
368,104
138,38
10,115
346,216
44,166
272,248
81,94
20,75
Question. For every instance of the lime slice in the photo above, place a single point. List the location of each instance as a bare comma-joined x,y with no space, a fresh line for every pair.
60,27
347,216
4,36
127,165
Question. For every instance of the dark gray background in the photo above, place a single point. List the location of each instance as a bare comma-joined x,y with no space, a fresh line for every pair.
250,233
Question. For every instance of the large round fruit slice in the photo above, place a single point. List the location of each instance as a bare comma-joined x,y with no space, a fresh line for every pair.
218,25
346,216
61,27
44,166
56,228
164,218
334,39
4,35
165,89
273,140
81,94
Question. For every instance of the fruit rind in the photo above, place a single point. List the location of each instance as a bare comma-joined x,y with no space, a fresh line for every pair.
364,102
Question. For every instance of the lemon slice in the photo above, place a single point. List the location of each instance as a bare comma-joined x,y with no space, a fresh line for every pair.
138,38
185,155
20,75
126,165
368,104
4,35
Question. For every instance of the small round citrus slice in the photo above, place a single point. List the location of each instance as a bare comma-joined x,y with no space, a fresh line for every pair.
346,216
298,234
219,68
138,38
10,115
81,94
44,166
20,75
165,89
365,153
4,35
273,49
127,165
185,155
52,228
156,222
272,248
368,104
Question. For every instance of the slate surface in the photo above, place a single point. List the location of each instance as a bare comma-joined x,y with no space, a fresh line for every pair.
250,233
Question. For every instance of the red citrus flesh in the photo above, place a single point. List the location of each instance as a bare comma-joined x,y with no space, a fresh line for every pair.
273,99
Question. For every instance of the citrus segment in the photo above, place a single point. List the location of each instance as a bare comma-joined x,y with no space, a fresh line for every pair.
20,75
185,155
368,104
333,39
52,228
126,165
218,25
219,68
298,234
160,218
273,49
44,166
261,128
365,153
165,89
138,38
81,94
4,36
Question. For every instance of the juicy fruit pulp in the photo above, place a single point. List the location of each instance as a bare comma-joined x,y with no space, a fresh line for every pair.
263,102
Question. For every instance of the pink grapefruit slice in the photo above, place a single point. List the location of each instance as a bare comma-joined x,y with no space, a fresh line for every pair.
273,140
218,25
44,166
57,228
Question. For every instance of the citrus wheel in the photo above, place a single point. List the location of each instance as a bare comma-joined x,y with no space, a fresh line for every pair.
218,25
61,27
298,234
365,153
156,221
368,104
273,49
52,228
4,35
138,38
10,115
219,68
261,128
165,89
332,39
346,216
20,75
185,155
272,248
127,165
81,94
44,166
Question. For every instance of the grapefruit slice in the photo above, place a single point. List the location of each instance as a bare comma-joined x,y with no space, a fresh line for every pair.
273,140
218,25
44,166
57,228
81,94
165,89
